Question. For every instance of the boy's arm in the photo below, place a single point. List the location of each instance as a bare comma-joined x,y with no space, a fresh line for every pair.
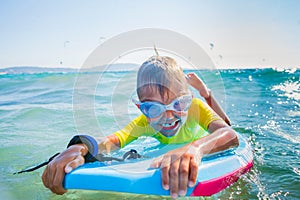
198,84
212,102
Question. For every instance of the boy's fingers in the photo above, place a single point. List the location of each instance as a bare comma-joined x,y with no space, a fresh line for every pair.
165,169
108,147
79,160
50,177
44,179
57,182
193,173
183,175
174,176
156,163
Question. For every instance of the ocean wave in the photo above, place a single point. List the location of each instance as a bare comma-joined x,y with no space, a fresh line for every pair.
37,108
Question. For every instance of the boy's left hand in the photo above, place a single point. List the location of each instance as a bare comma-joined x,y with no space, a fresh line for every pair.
198,84
179,169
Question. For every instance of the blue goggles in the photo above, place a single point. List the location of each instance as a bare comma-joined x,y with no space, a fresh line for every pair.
153,109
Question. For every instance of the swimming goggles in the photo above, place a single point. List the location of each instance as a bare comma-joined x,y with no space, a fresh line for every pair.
153,109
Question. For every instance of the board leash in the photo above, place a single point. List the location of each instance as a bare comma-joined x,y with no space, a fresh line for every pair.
132,154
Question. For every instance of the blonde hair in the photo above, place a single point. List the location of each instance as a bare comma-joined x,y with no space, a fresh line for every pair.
160,73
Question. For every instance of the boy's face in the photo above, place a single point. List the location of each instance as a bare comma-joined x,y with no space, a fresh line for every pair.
170,121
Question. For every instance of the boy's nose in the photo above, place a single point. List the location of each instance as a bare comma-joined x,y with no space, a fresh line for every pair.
168,114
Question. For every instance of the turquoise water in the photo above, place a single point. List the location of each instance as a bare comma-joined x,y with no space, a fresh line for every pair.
40,112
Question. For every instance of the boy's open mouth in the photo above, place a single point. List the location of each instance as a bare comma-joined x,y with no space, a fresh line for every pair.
171,125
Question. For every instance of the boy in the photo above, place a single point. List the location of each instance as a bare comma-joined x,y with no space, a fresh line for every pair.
171,115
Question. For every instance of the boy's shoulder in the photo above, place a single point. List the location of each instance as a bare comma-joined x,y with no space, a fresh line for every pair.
197,101
141,120
200,106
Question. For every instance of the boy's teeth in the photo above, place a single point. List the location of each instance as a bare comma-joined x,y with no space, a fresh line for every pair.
169,124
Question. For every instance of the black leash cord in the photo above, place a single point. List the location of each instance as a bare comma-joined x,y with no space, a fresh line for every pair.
38,166
132,154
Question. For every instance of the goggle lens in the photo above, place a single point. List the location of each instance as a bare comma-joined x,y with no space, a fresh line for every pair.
154,109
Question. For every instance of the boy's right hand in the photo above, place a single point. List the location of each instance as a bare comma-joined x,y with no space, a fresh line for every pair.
65,162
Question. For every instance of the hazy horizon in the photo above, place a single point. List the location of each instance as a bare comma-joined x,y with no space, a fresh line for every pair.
116,67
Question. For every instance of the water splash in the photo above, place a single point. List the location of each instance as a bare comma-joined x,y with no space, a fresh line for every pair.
290,89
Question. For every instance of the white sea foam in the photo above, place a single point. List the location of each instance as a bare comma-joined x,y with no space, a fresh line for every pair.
290,89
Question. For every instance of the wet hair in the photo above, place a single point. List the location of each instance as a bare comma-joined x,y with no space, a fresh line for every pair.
160,73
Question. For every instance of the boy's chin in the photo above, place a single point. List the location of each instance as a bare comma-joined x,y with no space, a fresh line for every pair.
170,133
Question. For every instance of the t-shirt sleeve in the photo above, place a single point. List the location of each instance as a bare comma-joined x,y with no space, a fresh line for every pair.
203,114
136,128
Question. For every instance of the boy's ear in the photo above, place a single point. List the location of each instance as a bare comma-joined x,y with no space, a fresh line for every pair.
136,103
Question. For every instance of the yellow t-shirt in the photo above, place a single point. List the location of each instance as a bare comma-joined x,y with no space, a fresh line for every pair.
200,115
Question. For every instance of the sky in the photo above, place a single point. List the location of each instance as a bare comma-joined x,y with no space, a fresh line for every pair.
63,33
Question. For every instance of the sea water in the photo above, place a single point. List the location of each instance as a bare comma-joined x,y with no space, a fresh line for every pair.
40,112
